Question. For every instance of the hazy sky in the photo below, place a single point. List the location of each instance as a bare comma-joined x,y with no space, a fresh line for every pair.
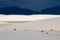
30,4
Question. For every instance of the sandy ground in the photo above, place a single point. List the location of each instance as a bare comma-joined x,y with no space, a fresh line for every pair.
7,34
29,35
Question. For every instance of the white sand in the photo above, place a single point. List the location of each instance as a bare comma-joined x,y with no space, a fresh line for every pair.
26,17
46,24
29,35
7,32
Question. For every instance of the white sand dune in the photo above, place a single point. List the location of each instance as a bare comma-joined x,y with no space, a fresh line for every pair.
25,17
44,22
7,32
47,24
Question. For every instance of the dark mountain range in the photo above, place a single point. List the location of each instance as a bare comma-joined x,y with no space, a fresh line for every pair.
21,11
53,10
16,11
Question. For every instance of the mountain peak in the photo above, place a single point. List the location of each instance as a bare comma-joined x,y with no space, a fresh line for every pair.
16,10
52,10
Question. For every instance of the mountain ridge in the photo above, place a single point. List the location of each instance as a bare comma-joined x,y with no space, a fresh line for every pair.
52,10
14,10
